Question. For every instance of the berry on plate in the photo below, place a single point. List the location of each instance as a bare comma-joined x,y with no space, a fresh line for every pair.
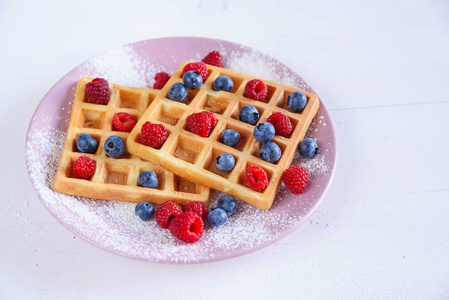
160,79
177,92
223,83
256,89
85,143
114,146
153,135
201,123
166,212
227,203
225,162
264,132
197,207
84,167
282,124
297,101
192,80
230,137
296,179
199,67
249,114
217,217
148,179
256,178
123,121
97,91
187,227
308,148
270,152
213,58
144,210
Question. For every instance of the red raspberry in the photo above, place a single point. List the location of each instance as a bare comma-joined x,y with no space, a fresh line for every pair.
201,123
188,227
296,179
197,207
160,79
153,135
97,91
214,59
256,89
166,212
123,122
84,167
282,124
256,178
199,67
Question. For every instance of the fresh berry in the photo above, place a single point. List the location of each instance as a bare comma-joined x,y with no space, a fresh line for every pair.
187,227
148,179
256,178
308,148
256,89
225,162
199,67
114,146
153,135
296,179
84,167
249,114
264,132
192,80
97,91
144,210
197,207
214,59
160,79
201,123
297,101
230,137
217,217
166,212
282,124
223,83
177,92
123,122
227,203
85,143
270,152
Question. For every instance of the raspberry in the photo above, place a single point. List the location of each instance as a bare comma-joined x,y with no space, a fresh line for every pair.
256,89
296,179
84,167
153,135
188,227
214,59
197,207
256,178
201,123
282,124
199,67
160,79
97,91
123,122
166,212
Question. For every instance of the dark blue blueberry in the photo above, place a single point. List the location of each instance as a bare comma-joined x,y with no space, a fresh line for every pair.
270,152
144,210
85,143
223,83
230,137
114,146
308,148
225,162
217,217
227,203
297,101
177,92
192,80
249,114
264,132
148,179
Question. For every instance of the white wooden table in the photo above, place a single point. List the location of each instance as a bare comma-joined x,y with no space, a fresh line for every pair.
382,69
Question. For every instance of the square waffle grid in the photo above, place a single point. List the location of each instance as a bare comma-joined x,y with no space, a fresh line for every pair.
116,178
189,155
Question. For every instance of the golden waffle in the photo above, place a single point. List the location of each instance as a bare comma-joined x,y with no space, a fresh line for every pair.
193,157
116,178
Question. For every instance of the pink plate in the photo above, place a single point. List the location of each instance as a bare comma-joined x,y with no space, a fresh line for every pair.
112,225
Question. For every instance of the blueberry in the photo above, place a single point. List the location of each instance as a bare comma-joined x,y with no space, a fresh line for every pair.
114,146
192,80
217,217
297,101
223,83
264,132
144,210
308,148
230,137
85,143
148,179
270,152
227,203
249,114
177,92
225,162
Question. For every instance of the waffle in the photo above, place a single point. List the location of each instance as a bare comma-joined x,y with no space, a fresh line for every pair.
116,178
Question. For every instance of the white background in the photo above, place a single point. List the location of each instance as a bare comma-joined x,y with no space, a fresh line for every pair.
380,67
